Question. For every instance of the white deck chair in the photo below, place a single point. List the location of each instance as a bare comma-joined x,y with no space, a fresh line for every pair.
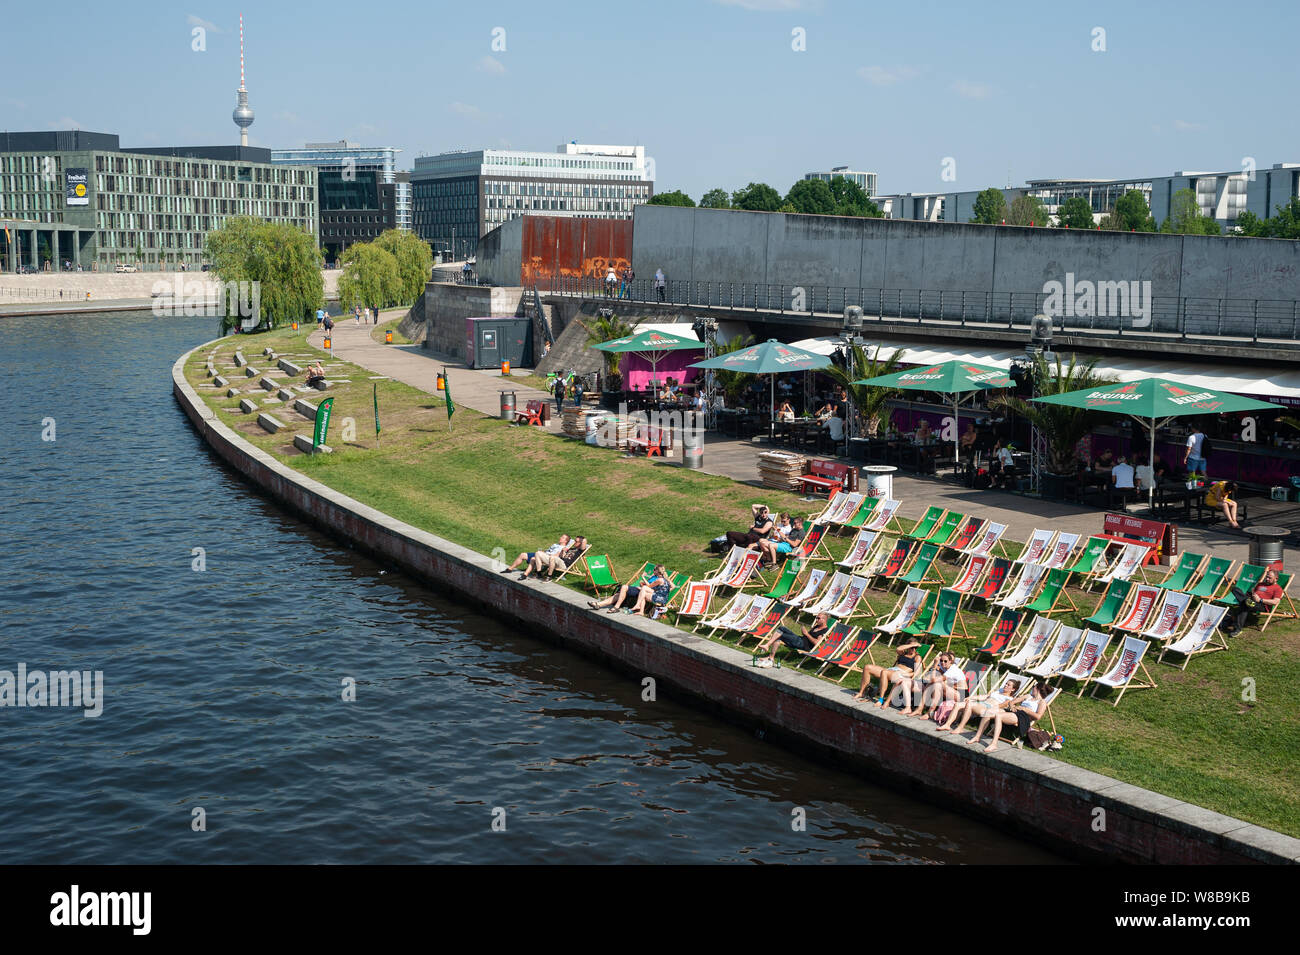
1202,636
1064,644
1031,576
815,578
830,596
1062,548
1142,601
989,537
752,615
733,611
1035,644
882,515
859,551
1124,667
878,559
848,603
1165,625
829,509
970,575
1037,547
696,598
847,507
1088,658
905,612
728,569
1126,564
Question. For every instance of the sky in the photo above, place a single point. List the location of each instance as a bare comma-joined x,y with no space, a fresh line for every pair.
720,92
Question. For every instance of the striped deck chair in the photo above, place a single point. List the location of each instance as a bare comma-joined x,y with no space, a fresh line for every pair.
1140,611
1042,631
920,571
1248,575
975,675
1124,667
926,525
813,545
1024,588
1064,644
1092,559
733,611
886,513
1111,603
1037,547
1201,636
859,550
990,536
727,570
898,557
746,574
752,615
999,638
695,599
1212,578
1129,562
1087,660
851,652
965,535
1184,573
1053,592
769,621
829,597
865,510
600,573
1163,627
877,560
1061,550
949,526
846,505
944,622
846,608
995,578
905,611
810,586
1283,581
828,645
969,576
785,583
831,503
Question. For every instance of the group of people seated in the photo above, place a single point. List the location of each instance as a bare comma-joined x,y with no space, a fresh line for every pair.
552,562
650,591
773,538
315,374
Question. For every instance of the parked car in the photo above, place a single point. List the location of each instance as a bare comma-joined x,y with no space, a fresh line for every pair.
127,268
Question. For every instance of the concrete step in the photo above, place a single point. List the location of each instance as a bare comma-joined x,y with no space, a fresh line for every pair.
303,443
247,405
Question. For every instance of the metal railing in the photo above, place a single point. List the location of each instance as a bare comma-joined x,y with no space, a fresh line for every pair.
1186,316
55,294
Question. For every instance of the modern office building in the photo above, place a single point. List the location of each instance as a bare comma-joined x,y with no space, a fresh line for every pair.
866,181
456,197
79,197
362,193
922,206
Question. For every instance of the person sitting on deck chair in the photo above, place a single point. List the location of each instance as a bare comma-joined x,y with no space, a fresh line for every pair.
761,527
1266,595
558,562
1024,711
805,640
780,542
906,668
631,593
1219,496
527,556
315,374
978,705
945,682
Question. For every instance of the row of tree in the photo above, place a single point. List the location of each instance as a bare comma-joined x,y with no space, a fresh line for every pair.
839,197
391,270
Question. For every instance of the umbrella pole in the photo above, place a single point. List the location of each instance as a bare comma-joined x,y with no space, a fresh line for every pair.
1151,463
771,417
956,435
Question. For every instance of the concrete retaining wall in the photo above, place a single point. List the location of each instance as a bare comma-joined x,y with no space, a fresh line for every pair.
111,285
447,306
1027,793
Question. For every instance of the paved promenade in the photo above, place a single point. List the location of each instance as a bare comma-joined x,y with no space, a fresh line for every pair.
480,390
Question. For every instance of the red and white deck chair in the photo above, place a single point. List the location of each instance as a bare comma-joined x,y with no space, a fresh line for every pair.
848,506
730,614
886,513
1139,611
990,536
832,503
1201,636
847,606
813,545
966,535
1064,645
1037,640
1164,626
1124,668
968,577
829,597
736,570
1022,591
752,615
1128,563
1061,550
859,551
1087,660
905,611
1036,548
694,600
810,587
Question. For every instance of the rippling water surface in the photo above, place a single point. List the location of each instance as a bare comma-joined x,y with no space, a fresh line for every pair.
222,687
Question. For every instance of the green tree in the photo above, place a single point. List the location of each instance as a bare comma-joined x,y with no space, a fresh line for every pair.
414,262
1249,224
851,200
674,198
1063,427
1133,213
811,197
870,401
715,199
1184,215
990,207
284,262
1286,224
606,328
1075,213
1110,221
1028,210
756,197
787,207
370,277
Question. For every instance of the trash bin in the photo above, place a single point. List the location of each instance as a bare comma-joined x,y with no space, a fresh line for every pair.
1266,545
507,406
880,480
693,441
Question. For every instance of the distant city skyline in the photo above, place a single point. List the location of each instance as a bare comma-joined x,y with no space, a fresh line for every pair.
721,93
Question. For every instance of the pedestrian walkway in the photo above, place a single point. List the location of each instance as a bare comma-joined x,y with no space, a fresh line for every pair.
736,459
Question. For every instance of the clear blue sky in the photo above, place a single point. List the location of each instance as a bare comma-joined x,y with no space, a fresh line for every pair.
712,88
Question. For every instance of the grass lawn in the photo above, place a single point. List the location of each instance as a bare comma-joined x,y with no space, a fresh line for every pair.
377,333
1220,734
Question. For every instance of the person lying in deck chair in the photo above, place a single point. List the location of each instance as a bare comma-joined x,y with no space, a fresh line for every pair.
1024,711
761,527
781,542
631,593
978,705
805,640
654,594
1263,598
527,556
556,563
944,682
315,374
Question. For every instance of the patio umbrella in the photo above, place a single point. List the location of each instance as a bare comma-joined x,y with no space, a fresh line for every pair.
1153,402
652,346
767,358
951,378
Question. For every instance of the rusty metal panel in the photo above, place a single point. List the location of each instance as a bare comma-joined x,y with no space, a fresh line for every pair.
573,248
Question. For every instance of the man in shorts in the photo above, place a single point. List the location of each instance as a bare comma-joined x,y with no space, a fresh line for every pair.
527,556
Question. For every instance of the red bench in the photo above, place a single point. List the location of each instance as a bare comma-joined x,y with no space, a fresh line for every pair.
650,440
532,414
828,476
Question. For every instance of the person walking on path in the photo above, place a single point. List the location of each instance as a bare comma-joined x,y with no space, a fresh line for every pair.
559,395
660,284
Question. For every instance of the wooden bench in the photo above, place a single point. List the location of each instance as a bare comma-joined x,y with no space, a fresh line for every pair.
532,414
649,440
1211,515
828,476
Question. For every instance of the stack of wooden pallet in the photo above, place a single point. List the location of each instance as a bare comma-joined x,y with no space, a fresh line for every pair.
574,422
781,469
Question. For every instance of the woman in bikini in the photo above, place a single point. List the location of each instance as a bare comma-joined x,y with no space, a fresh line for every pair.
906,668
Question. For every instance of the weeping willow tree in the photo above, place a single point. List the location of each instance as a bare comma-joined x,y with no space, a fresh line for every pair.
870,401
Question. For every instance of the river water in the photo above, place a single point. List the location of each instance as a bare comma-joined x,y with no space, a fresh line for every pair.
224,736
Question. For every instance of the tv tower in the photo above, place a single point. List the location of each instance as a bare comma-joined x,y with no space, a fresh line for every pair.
243,114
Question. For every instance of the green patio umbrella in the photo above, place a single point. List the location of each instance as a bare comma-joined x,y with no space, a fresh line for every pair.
950,378
767,358
652,346
1153,402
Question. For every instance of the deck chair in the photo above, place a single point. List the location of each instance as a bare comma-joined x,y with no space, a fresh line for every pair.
858,550
847,606
926,525
1283,581
769,621
965,535
574,567
1037,547
600,573
1140,610
847,507
905,611
694,601
829,597
827,646
903,549
1112,601
1061,550
1248,575
728,569
752,615
851,652
746,573
1184,573
949,526
1042,631
1201,636
920,571
1000,634
1087,660
865,510
1064,644
994,579
832,503
886,513
942,625
1164,626
813,545
1128,563
732,612
1052,593
1020,593
968,577
990,536
785,583
1211,579
1124,667
810,587
921,622
1092,559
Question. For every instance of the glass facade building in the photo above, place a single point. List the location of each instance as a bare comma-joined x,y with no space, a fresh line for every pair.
866,181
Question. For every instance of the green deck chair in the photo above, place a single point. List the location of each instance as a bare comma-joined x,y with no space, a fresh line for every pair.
1212,579
944,621
1248,575
1182,575
785,582
919,573
600,573
1092,552
1112,601
921,622
925,526
1052,593
863,513
947,527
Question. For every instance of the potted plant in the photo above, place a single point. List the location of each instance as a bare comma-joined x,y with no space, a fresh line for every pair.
871,402
606,327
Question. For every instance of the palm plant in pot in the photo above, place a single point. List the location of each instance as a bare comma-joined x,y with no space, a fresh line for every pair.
606,327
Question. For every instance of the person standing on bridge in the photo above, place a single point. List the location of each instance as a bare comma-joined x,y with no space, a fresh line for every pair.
660,284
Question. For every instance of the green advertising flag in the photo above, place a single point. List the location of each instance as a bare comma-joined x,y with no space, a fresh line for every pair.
376,411
446,390
322,423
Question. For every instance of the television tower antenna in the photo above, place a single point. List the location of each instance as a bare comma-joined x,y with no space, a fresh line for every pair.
243,114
